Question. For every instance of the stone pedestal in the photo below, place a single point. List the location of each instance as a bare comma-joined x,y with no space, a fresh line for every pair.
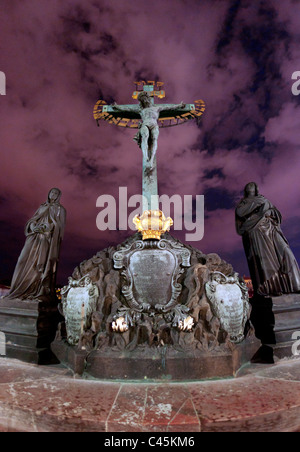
286,309
29,327
162,310
164,363
69,355
276,319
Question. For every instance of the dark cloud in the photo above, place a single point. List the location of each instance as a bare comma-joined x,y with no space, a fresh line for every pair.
61,57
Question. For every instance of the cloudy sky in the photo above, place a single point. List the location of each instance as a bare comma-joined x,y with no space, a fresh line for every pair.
61,57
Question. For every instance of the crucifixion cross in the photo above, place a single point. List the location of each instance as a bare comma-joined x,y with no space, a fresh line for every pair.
148,118
148,128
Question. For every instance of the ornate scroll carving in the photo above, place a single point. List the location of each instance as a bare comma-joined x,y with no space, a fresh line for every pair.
151,271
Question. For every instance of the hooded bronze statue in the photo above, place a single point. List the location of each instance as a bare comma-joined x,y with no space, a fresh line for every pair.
35,273
273,267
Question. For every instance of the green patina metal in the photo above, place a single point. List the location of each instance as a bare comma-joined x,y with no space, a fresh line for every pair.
148,117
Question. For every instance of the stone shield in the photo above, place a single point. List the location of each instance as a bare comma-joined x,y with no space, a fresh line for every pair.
79,301
228,298
151,271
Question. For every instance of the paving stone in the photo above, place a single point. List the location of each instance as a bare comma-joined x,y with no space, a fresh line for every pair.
59,404
186,420
286,370
12,370
164,403
128,411
47,399
247,404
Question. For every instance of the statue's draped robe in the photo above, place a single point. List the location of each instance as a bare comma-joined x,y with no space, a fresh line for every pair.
35,271
273,267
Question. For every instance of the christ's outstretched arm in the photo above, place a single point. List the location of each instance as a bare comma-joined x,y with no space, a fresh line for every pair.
172,107
133,108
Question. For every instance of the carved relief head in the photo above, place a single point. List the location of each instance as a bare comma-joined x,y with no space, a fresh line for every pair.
251,189
54,195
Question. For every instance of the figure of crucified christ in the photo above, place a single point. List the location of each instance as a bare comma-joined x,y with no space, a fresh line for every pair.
148,130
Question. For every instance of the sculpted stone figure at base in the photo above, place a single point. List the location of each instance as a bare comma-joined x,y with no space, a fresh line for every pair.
273,267
166,309
158,292
35,272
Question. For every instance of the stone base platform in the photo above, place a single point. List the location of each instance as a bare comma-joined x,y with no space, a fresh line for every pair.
29,328
286,309
277,321
156,364
49,399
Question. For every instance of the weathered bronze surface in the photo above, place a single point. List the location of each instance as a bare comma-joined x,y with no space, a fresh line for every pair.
149,129
35,272
29,314
148,118
273,267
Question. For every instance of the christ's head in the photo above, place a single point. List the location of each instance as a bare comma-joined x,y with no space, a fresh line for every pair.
144,99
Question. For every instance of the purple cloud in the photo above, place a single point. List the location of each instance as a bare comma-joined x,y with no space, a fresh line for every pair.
61,57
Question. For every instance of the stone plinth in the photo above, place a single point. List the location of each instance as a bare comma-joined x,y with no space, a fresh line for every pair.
276,319
49,399
286,309
69,355
156,364
29,328
156,314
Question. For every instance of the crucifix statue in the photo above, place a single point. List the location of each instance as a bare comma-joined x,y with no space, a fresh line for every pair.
148,118
149,128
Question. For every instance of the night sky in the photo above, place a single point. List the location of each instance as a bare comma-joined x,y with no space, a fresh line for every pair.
60,57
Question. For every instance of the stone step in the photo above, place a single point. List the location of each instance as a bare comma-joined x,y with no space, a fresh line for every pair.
284,350
47,399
